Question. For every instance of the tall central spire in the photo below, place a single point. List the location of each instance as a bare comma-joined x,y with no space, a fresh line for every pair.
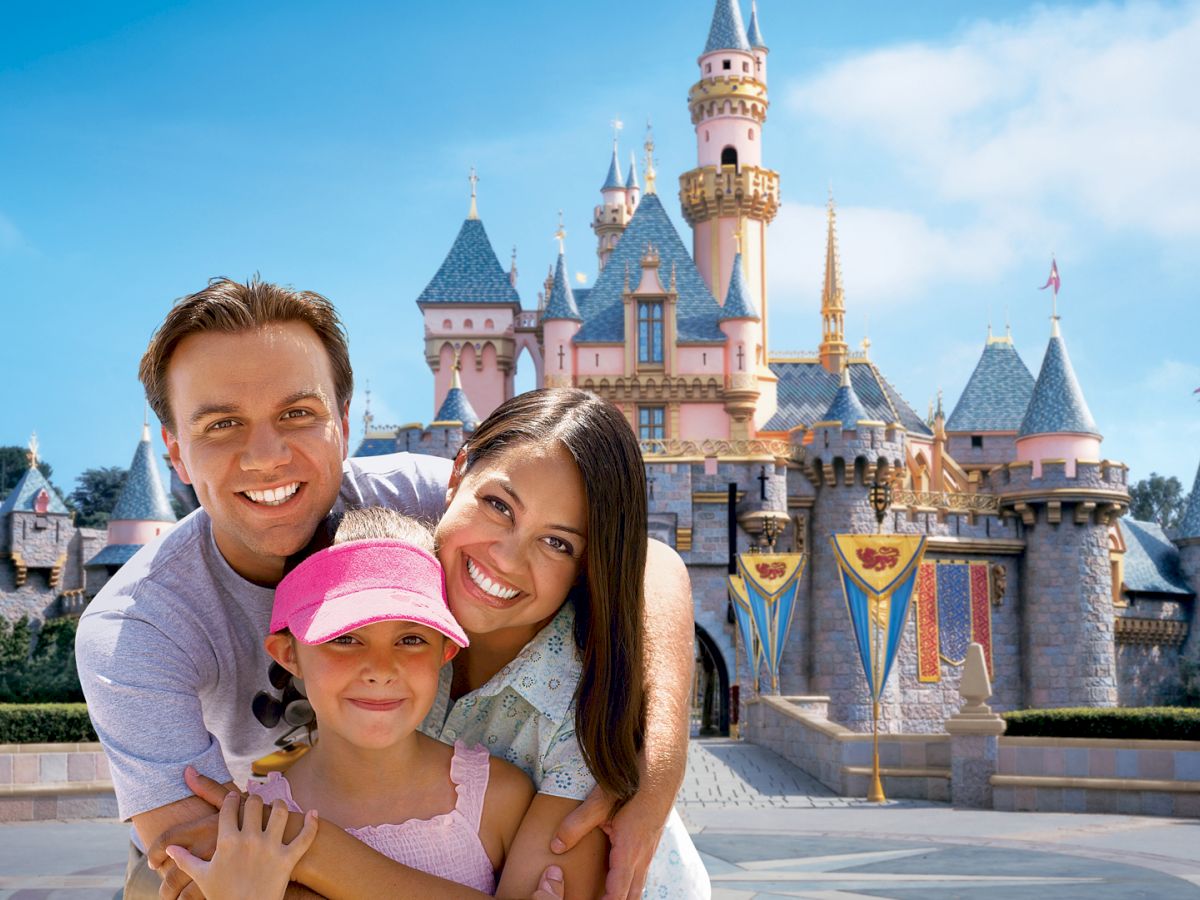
833,309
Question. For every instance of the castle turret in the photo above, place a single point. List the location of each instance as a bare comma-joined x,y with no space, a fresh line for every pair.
757,45
35,531
560,323
471,308
982,429
739,320
614,212
456,408
833,350
729,192
633,190
1066,500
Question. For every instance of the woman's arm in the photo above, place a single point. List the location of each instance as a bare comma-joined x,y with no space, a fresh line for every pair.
583,866
670,638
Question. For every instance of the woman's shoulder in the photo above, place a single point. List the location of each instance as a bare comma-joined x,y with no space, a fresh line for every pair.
507,781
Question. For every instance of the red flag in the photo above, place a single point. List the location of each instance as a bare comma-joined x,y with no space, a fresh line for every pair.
1053,280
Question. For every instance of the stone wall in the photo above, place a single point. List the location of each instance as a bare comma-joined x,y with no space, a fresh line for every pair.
54,781
36,597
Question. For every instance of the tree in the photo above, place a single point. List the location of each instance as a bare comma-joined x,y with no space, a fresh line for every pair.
1158,499
44,672
13,463
96,494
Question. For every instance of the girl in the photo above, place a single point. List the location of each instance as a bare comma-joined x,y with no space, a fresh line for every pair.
365,624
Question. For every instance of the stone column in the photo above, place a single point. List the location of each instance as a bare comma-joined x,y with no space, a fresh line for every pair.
974,736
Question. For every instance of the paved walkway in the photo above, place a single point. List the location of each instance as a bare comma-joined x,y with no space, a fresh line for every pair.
767,830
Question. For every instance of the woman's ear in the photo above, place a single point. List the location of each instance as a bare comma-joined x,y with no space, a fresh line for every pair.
282,649
456,474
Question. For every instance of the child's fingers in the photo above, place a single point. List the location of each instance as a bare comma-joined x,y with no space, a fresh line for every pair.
252,814
192,866
277,821
227,818
301,842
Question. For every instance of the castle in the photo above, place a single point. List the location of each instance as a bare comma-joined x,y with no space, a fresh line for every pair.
1028,549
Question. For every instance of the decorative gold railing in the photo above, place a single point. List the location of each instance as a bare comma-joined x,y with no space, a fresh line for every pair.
955,502
662,449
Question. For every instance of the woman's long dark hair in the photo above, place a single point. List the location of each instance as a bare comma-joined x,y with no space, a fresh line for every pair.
608,599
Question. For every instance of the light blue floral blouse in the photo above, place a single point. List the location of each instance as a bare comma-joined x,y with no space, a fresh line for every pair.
526,715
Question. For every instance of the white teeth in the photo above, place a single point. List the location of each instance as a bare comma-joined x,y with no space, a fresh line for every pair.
273,496
486,584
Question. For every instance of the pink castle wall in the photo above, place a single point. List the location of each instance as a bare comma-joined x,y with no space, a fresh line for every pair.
701,361
1057,446
729,129
611,360
701,421
127,532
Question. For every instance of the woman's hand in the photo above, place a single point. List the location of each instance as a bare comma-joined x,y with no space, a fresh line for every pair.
251,861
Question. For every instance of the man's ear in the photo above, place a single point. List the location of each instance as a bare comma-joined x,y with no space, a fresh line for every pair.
346,430
282,649
176,457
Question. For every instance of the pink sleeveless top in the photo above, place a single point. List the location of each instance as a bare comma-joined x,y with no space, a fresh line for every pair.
447,845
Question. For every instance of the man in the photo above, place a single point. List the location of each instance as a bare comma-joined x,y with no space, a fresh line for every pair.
252,384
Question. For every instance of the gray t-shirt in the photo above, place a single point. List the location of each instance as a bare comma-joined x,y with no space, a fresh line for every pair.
170,652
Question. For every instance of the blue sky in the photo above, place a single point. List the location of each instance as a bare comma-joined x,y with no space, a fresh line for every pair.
147,146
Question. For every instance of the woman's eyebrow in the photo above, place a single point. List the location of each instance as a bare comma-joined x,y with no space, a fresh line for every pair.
507,487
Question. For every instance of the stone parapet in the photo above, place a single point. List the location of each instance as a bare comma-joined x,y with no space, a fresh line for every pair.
54,781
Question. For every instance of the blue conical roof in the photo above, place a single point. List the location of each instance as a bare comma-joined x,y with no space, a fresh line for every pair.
727,31
470,273
457,408
613,180
561,304
752,33
738,302
1190,526
22,497
143,499
846,407
631,180
997,394
1057,405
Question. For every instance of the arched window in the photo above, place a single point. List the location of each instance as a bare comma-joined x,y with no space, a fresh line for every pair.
729,156
488,324
467,323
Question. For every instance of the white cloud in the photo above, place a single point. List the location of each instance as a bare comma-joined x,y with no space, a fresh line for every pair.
1090,111
10,236
887,255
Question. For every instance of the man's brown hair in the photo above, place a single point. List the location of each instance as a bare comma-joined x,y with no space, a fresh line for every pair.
232,307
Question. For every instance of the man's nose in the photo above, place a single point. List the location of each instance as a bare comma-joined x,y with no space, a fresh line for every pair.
265,449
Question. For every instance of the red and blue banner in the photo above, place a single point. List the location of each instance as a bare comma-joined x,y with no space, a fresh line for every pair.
770,582
742,615
953,610
878,575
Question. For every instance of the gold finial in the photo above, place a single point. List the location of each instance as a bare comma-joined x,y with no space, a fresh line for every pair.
561,235
737,235
617,125
649,145
368,418
940,414
474,179
32,453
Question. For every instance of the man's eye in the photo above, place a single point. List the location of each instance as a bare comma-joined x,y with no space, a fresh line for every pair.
297,414
222,425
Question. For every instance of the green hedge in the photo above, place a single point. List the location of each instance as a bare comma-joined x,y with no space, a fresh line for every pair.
45,723
1151,723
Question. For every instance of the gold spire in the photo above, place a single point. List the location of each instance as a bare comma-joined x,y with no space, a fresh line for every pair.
474,179
649,145
455,380
833,338
561,235
32,453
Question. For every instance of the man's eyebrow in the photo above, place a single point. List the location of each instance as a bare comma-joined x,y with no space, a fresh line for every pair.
305,395
507,487
212,409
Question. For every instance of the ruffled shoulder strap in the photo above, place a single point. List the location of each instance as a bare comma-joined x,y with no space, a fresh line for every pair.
469,770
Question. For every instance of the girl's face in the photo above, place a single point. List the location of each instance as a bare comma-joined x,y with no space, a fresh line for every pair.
513,540
370,687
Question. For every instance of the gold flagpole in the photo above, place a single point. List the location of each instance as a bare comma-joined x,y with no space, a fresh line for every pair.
881,496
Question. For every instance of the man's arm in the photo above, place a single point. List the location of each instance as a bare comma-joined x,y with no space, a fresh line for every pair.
668,660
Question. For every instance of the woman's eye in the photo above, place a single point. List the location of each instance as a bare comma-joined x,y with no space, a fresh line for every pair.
561,546
499,506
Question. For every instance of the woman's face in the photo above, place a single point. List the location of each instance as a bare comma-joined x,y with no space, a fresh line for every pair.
513,540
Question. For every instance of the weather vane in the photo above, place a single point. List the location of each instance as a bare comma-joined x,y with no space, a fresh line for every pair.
561,234
32,453
474,179
617,125
649,145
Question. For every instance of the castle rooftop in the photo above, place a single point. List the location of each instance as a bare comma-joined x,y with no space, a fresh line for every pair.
727,31
143,498
561,304
738,302
1057,405
471,273
997,394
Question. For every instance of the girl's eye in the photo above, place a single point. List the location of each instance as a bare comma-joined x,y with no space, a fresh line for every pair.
344,640
560,546
413,640
499,506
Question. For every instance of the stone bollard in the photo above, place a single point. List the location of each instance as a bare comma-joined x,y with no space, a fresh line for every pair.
974,736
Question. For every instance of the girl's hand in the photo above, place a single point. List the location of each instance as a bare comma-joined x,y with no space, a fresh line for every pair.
251,861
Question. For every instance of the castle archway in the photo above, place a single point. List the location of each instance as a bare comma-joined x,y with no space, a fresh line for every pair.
710,688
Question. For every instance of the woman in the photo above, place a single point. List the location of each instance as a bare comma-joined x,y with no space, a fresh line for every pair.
542,541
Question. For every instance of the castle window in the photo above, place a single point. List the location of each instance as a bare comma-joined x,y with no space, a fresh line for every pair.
467,323
708,68
745,67
750,134
727,64
651,423
650,332
489,324
977,442
446,324
729,157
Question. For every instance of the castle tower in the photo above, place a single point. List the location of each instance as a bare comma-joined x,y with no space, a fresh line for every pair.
471,308
614,212
35,531
560,323
1066,499
847,450
633,190
739,321
833,350
142,513
457,408
729,191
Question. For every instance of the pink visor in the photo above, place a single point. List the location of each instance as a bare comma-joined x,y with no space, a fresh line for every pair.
350,585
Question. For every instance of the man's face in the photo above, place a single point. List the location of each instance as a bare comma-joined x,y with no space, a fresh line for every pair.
259,436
